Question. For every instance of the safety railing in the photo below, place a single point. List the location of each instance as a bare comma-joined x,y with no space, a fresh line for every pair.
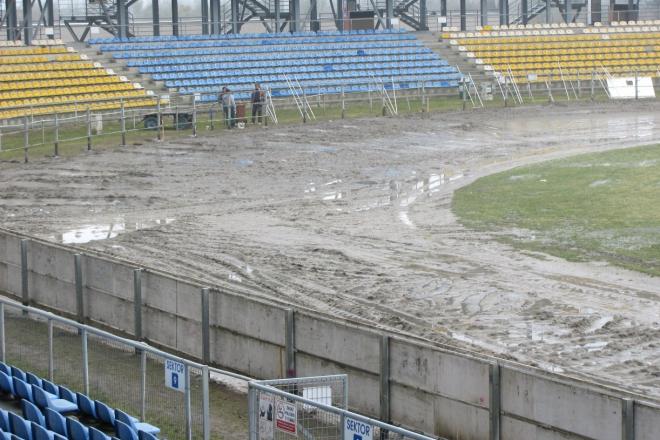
122,373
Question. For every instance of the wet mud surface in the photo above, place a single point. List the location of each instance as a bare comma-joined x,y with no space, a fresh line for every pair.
354,218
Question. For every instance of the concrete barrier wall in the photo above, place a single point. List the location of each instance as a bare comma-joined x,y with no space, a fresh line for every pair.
428,388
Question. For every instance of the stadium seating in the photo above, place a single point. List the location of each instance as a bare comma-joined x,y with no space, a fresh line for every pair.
538,53
321,63
39,80
43,404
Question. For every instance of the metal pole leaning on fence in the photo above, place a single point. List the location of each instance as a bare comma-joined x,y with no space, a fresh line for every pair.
26,139
122,124
85,362
343,103
186,373
51,364
24,272
636,85
89,129
194,118
159,119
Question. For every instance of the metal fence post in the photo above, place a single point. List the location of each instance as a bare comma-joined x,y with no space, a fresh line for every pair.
628,414
89,129
194,118
24,272
206,335
252,413
51,366
85,362
290,343
26,139
636,85
494,401
122,124
188,409
592,85
159,117
2,332
137,303
343,103
57,135
384,108
384,382
143,385
80,305
206,419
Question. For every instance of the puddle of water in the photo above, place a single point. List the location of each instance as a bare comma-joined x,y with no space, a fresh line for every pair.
87,233
403,216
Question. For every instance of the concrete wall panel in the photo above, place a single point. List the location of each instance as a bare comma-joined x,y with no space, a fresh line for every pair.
50,292
109,310
423,367
249,356
513,429
563,406
339,342
159,326
248,317
189,301
364,388
159,292
99,274
13,247
647,422
189,337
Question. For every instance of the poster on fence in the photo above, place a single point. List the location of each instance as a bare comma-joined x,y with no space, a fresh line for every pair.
286,417
266,411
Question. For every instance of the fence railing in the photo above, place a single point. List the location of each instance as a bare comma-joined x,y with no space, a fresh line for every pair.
120,372
305,408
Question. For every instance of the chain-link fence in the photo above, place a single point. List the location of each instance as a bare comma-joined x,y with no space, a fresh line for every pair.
124,374
312,408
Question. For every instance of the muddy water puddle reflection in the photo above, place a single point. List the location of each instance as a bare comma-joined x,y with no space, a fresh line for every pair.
105,231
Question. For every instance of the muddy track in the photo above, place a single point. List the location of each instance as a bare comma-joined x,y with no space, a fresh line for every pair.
354,218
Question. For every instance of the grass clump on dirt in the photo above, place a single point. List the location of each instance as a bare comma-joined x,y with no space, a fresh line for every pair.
593,207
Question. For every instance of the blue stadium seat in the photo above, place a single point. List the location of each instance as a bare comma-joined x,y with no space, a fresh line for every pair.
86,405
105,413
67,394
125,432
23,390
133,423
6,435
5,368
56,422
17,372
6,384
4,420
95,434
33,379
20,427
50,387
77,431
32,413
47,400
41,433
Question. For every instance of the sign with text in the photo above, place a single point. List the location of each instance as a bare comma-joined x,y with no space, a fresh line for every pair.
266,411
286,417
175,376
355,430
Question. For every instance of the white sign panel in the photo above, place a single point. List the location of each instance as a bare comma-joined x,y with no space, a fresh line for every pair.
442,20
175,376
624,88
354,430
266,412
286,417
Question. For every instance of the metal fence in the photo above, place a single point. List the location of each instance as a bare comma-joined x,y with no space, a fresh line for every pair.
312,408
122,373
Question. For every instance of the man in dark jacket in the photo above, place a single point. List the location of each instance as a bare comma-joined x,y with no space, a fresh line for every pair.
257,104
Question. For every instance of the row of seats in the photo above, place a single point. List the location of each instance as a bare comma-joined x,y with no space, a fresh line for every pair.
54,412
318,71
302,63
15,84
42,108
579,38
255,42
32,50
246,36
263,50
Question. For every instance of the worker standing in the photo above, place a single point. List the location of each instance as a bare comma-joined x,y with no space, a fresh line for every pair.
228,107
257,104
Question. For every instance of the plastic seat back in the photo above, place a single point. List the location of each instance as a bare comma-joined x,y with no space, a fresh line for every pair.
105,413
23,390
86,405
40,397
17,372
67,394
4,420
77,431
56,422
95,434
40,433
146,436
6,383
125,432
50,387
121,416
5,368
33,379
20,426
32,413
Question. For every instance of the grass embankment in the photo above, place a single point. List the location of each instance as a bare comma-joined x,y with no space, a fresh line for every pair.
593,207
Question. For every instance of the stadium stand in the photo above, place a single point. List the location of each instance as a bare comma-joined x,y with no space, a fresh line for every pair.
322,63
53,412
550,52
47,78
